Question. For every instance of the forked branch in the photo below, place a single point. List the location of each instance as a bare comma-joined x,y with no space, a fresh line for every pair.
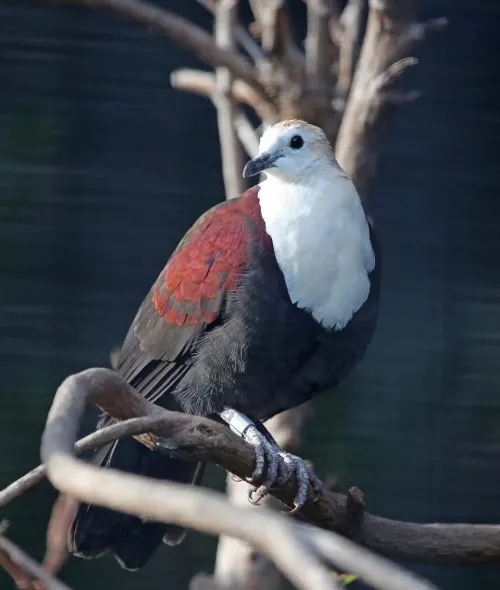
197,438
300,551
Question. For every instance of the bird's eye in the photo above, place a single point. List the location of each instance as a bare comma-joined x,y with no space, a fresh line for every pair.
296,142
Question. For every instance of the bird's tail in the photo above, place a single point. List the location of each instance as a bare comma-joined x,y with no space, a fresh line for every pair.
96,530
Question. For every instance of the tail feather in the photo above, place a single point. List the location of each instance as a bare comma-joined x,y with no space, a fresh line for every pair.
97,530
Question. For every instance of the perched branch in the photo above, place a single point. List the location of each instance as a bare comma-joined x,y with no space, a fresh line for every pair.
231,153
24,570
201,439
290,545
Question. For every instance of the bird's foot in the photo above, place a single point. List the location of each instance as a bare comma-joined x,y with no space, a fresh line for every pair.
281,465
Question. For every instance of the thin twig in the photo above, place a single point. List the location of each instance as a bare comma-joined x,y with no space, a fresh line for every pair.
24,569
91,442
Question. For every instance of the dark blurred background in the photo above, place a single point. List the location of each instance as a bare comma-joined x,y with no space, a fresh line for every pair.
103,167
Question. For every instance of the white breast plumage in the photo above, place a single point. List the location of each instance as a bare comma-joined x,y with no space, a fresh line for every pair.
322,245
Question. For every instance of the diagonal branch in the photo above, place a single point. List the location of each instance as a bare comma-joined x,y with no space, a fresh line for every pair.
203,83
188,35
23,569
298,550
241,35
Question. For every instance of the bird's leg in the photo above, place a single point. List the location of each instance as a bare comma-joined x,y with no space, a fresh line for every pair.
280,463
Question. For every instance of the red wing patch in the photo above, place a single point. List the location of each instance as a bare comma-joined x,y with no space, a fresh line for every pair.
207,263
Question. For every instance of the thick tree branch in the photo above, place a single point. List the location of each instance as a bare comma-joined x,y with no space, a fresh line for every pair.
202,439
295,548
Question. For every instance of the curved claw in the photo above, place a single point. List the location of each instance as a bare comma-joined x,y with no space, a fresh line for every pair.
276,468
259,463
280,465
304,477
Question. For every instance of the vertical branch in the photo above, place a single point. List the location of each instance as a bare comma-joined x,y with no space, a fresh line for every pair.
320,51
231,152
321,55
388,39
349,40
239,566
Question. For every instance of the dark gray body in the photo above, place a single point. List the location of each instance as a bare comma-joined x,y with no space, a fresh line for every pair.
261,356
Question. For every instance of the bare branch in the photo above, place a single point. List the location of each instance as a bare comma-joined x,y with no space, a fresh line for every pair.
277,39
393,71
237,564
89,443
24,570
56,551
320,54
349,40
205,440
203,83
183,32
246,133
201,439
241,35
231,153
286,542
390,34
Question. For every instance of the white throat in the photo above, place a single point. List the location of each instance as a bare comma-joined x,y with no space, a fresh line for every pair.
322,244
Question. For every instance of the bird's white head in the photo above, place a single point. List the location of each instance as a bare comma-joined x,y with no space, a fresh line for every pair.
292,151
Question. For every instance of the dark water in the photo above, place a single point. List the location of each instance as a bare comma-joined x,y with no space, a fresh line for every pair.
102,169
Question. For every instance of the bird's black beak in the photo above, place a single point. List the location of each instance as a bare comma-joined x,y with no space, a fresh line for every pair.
259,164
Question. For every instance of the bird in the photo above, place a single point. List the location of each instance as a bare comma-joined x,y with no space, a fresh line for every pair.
269,299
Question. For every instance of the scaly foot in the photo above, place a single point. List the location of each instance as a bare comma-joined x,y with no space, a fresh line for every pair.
280,466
